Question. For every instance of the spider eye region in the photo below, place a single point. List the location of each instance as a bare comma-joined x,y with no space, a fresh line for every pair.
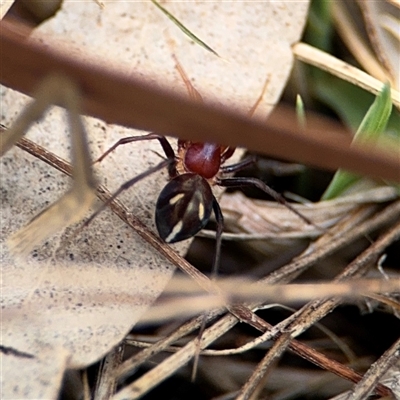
183,207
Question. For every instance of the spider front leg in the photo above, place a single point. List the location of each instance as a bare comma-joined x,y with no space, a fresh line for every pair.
127,185
169,162
168,150
73,206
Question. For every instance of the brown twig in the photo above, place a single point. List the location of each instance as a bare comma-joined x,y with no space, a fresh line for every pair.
115,97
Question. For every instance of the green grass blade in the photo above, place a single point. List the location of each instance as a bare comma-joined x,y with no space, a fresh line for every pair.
371,131
300,112
183,28
376,119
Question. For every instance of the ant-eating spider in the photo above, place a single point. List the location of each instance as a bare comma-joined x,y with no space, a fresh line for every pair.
185,204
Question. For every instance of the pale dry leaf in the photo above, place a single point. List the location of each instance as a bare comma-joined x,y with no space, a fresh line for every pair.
4,7
82,292
44,372
281,229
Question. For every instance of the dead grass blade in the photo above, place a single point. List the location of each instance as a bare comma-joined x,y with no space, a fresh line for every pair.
256,382
376,372
106,383
333,65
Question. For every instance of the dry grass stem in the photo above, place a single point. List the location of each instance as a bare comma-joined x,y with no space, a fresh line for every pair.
376,372
160,372
354,226
134,362
302,350
254,385
174,362
339,68
312,312
106,382
357,46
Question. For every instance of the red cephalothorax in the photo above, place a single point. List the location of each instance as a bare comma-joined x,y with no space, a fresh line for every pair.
204,159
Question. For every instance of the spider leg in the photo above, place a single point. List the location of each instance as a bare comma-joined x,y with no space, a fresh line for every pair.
218,237
227,169
170,162
73,206
217,255
227,153
254,182
127,185
169,152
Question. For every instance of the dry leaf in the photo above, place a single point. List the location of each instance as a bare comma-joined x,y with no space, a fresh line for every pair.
80,293
267,218
4,7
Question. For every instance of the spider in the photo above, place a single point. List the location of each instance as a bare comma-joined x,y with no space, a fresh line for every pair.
185,205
